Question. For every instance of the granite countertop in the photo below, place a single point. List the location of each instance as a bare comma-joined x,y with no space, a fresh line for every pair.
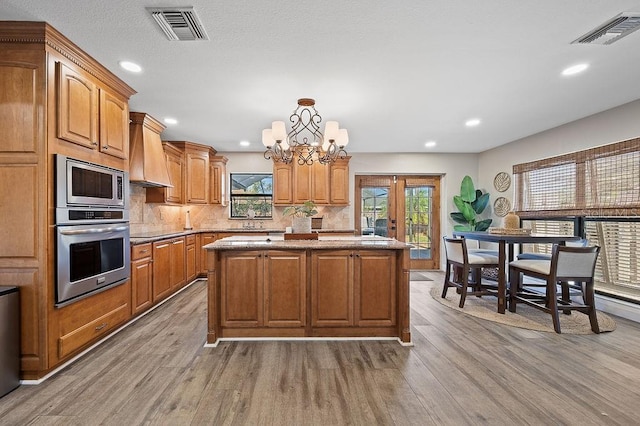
149,237
323,242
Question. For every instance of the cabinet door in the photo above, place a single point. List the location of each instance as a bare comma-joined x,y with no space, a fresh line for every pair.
161,268
332,288
241,289
197,171
114,125
77,107
174,166
285,277
191,262
302,183
375,288
204,240
178,264
319,182
218,180
339,182
282,184
141,285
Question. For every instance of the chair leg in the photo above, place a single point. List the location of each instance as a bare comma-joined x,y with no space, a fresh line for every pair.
514,286
447,276
565,296
552,304
590,300
465,285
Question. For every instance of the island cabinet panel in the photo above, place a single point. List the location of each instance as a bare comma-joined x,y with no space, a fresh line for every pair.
141,278
161,270
241,292
285,295
332,288
375,288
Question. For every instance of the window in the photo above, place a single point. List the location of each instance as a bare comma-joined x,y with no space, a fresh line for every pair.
595,194
250,190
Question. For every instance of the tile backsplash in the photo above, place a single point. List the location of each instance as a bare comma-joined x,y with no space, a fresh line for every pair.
161,218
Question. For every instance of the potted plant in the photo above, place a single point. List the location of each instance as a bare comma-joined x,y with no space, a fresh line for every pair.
301,216
471,202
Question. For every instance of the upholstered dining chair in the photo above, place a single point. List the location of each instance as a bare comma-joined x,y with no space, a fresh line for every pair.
461,262
572,267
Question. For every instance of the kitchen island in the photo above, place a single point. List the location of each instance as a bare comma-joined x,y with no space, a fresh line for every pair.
333,287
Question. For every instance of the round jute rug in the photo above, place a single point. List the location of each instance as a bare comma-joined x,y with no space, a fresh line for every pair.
526,316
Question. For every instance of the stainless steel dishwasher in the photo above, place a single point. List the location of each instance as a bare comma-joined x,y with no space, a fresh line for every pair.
9,339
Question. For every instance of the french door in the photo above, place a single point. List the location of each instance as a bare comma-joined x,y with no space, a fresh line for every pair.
404,207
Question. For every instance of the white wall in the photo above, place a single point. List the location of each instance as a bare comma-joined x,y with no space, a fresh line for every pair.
607,127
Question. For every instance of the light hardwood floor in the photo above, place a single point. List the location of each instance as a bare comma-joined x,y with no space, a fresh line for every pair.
462,370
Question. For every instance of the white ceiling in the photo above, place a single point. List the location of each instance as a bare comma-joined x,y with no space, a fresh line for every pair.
395,74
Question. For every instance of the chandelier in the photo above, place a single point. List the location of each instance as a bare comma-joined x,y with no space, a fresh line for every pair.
305,142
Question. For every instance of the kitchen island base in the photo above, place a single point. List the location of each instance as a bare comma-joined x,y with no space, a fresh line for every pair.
342,288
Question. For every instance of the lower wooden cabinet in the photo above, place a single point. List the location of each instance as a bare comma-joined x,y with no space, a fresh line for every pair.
205,238
161,270
263,288
353,288
191,258
141,278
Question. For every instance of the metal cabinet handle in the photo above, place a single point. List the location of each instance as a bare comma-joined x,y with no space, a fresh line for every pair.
105,147
101,326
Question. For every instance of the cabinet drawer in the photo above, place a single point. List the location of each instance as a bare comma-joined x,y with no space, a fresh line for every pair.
191,239
140,251
94,329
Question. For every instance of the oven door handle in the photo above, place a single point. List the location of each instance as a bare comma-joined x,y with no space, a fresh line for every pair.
94,230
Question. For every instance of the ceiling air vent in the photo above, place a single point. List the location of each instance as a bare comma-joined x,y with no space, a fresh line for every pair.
179,23
612,30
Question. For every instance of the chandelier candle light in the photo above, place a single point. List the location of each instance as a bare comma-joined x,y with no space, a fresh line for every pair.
305,141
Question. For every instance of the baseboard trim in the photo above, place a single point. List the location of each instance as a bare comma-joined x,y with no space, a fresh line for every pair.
620,308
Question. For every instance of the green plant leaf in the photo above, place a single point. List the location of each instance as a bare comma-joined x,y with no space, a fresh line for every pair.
467,190
481,202
468,213
458,217
483,225
461,228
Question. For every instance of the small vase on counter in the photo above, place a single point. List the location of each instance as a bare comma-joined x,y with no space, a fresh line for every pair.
511,221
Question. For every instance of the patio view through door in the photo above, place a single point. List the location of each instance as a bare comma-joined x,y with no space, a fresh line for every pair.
405,207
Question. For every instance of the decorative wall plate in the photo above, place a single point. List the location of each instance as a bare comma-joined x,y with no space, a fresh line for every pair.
501,206
502,181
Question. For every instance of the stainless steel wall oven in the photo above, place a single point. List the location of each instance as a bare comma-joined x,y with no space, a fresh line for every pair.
92,229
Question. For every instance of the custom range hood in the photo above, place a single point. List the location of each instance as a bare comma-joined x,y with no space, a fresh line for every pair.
147,164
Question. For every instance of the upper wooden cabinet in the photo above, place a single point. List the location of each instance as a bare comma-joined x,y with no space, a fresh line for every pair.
196,174
323,184
90,115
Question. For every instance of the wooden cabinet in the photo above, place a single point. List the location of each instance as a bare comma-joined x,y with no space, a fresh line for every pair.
177,264
141,278
191,258
175,166
353,288
90,115
323,184
282,184
205,238
50,102
263,288
196,178
375,288
218,180
339,182
161,270
332,288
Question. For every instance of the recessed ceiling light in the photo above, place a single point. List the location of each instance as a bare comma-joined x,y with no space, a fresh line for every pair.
575,69
245,143
130,66
472,122
170,120
430,144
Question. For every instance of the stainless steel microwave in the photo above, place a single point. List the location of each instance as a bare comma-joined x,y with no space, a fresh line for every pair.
83,187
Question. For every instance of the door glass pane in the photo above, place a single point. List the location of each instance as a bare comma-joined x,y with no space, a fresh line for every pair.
418,209
374,211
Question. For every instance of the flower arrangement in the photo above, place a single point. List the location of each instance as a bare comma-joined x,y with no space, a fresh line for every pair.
307,209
